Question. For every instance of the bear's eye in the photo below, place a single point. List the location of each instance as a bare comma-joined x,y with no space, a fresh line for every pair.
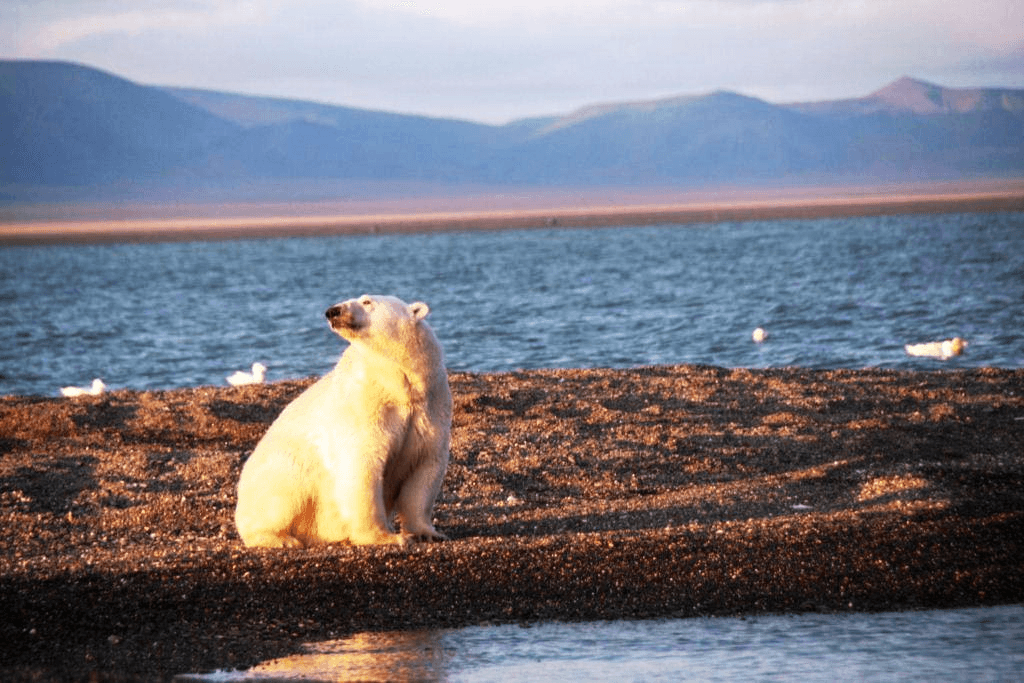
366,302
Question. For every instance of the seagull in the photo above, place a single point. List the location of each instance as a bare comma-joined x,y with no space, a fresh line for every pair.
241,378
937,349
96,389
759,335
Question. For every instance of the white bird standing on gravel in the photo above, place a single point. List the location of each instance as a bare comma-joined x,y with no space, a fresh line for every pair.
97,388
242,378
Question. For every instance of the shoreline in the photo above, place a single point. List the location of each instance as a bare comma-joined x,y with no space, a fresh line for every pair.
308,220
572,495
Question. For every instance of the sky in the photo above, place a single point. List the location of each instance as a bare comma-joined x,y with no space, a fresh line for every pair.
498,61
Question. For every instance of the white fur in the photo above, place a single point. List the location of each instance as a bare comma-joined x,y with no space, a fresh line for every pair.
365,444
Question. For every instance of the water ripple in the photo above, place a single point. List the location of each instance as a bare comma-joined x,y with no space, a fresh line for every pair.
831,293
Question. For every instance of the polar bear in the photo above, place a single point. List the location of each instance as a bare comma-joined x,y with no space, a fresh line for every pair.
368,442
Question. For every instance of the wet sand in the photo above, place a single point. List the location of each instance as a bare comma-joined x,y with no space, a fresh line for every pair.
572,495
125,223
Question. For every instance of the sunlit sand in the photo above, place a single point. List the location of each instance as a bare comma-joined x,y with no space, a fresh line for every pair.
482,211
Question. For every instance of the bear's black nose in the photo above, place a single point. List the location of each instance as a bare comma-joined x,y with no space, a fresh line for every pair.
340,317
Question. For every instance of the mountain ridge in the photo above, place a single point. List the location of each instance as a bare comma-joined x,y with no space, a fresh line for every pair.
69,125
911,95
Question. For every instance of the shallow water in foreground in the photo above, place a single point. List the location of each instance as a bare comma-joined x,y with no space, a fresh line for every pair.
983,644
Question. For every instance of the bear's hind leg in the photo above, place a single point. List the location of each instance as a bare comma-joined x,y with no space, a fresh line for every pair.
269,521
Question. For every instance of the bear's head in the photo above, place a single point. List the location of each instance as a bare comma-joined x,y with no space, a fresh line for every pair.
384,324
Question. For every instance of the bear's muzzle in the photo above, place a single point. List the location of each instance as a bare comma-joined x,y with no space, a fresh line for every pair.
340,317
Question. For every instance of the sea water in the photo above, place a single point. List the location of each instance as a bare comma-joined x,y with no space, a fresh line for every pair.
837,293
984,644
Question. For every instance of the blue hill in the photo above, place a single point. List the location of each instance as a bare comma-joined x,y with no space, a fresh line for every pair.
70,126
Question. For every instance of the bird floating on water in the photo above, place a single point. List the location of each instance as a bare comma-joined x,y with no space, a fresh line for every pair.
97,388
242,378
937,349
759,335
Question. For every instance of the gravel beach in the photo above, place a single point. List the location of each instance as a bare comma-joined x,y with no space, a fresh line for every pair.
572,495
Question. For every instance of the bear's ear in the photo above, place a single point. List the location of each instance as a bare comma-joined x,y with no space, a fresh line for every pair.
419,310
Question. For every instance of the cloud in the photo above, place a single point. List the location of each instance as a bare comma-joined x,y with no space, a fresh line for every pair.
523,13
56,26
496,61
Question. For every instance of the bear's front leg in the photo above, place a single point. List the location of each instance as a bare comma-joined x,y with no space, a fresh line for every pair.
361,503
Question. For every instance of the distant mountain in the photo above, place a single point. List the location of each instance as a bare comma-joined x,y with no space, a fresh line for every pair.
66,125
924,130
910,96
295,139
63,124
721,137
292,139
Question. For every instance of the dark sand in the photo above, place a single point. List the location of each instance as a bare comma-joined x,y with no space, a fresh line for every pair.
128,223
572,495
